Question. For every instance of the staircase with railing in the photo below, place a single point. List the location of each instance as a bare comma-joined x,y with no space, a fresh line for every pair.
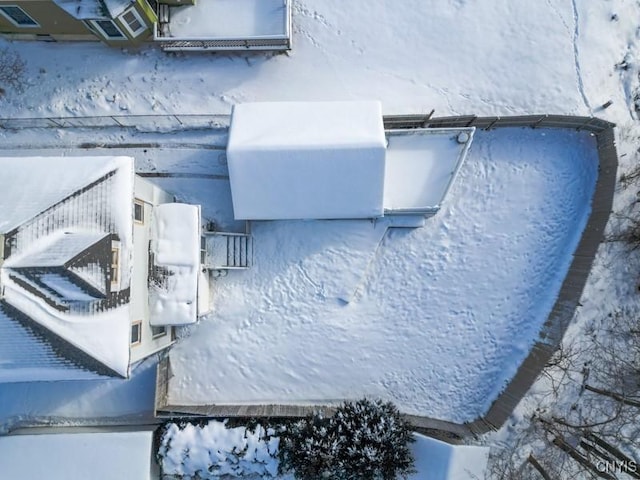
227,251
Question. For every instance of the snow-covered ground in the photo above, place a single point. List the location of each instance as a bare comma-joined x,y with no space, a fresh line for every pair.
458,56
436,319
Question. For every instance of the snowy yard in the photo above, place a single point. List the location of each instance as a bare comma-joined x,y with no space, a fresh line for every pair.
436,319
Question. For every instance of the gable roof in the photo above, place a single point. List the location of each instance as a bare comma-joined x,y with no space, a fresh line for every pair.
32,184
46,231
23,353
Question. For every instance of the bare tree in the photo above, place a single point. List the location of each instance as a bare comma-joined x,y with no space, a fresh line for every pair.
12,68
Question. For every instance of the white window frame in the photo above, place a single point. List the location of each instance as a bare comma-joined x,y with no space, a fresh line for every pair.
158,335
10,18
138,17
96,26
116,268
139,203
137,323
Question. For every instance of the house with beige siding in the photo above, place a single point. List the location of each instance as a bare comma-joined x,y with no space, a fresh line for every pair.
115,22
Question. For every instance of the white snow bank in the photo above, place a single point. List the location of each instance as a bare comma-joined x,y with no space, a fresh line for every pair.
176,248
437,460
215,450
307,160
445,313
65,456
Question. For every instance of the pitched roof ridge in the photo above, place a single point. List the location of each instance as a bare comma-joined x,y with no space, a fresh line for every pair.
74,194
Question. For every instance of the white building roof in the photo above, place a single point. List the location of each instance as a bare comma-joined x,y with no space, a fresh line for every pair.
32,184
176,248
83,199
54,250
65,456
437,460
307,160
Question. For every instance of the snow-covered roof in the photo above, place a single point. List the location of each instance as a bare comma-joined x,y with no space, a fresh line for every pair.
307,160
64,456
175,244
94,9
32,184
117,7
54,250
229,18
23,354
53,209
437,460
83,9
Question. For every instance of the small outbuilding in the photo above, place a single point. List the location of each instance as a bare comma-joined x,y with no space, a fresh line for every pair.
65,456
438,460
307,160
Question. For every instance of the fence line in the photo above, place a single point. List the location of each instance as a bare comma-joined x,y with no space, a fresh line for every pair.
162,122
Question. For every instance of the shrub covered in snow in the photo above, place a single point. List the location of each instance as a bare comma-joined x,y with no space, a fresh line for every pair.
212,450
362,441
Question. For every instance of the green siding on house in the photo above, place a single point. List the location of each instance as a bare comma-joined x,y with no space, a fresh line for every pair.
52,20
55,22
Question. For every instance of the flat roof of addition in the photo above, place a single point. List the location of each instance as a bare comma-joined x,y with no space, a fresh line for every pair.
229,19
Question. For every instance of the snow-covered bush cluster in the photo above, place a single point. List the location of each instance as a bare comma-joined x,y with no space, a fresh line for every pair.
363,440
212,450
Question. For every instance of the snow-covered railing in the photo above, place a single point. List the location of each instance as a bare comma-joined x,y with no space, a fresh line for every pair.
591,124
279,40
221,121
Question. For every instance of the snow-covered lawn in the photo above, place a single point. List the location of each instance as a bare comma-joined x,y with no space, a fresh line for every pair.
436,319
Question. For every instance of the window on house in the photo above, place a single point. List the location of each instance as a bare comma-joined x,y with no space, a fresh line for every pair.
138,211
18,16
136,333
115,265
158,331
108,29
134,22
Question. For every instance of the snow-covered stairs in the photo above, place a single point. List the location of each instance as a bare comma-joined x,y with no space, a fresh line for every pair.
227,251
